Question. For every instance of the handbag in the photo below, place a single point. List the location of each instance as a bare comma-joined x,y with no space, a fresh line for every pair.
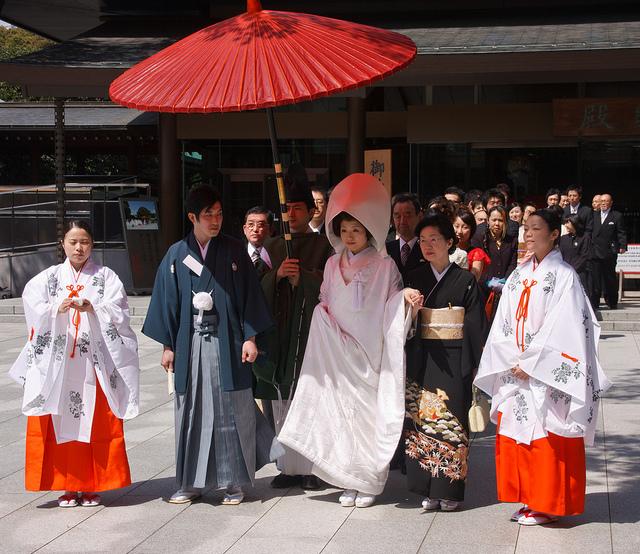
479,411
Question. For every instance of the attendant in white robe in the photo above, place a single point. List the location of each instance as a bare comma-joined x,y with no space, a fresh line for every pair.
80,372
347,413
540,367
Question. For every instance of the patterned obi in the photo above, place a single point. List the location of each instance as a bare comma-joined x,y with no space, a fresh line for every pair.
442,323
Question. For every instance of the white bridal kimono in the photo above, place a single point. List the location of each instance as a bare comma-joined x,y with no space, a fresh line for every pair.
348,409
68,355
544,324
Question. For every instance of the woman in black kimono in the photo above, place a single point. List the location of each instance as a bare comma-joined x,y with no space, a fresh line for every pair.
440,370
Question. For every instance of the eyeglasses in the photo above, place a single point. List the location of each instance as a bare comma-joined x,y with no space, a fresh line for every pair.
258,225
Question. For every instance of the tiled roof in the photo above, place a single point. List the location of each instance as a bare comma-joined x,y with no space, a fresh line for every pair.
21,116
526,38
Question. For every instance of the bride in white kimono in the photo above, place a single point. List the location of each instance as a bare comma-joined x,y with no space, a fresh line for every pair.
79,369
348,410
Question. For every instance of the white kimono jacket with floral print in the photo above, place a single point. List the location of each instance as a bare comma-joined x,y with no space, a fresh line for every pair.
545,325
67,356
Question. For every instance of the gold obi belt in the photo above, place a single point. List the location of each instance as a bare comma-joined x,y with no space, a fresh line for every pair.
442,323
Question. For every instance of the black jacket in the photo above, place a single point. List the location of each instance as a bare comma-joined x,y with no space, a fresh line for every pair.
585,215
576,251
414,260
481,230
608,237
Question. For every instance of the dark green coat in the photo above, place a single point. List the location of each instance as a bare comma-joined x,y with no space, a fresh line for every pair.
292,309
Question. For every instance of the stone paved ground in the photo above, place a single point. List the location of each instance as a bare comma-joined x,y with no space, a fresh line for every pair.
137,519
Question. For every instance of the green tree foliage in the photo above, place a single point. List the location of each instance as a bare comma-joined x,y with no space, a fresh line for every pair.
16,42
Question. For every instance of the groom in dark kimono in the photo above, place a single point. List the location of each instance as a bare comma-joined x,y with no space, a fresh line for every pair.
292,288
206,309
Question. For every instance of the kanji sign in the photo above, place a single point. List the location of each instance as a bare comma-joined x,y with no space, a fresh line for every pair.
596,117
378,164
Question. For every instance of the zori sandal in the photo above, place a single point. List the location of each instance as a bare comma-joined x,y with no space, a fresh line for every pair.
68,501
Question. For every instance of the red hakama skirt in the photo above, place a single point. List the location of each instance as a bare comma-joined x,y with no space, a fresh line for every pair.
548,475
97,466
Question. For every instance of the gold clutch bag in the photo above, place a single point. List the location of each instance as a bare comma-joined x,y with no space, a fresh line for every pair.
479,412
442,323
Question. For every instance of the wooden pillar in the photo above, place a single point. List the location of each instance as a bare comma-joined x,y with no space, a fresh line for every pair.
60,171
356,135
170,189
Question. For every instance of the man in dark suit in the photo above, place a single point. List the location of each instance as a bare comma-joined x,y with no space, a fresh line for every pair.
257,223
405,250
608,239
584,213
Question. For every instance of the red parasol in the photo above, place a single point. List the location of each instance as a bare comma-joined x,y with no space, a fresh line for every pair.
262,59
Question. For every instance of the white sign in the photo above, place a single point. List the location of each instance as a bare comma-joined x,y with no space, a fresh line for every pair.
629,262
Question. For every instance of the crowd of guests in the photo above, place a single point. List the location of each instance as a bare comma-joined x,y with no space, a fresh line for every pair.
340,351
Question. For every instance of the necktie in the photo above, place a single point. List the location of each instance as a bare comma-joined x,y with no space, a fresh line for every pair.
255,256
404,253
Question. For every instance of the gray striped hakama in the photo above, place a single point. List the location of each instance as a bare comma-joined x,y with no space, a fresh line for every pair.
215,429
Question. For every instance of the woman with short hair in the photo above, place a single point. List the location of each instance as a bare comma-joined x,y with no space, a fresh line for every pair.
450,329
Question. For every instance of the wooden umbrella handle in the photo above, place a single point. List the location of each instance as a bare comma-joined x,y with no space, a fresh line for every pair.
282,196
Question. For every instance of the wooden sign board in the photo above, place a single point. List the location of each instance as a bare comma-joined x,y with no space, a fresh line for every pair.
596,117
378,164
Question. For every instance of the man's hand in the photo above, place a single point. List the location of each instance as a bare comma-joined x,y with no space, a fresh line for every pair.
249,351
290,269
167,359
519,373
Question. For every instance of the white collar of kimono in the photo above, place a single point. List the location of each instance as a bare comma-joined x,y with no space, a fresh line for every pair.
366,251
554,257
365,198
87,268
438,275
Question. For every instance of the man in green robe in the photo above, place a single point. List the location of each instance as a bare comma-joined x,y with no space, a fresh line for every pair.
292,289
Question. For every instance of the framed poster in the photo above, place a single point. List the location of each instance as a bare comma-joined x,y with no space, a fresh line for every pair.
141,228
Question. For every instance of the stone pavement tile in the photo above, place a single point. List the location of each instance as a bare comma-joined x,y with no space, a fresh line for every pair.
39,522
152,456
149,424
397,534
488,525
454,546
11,502
12,430
304,517
11,458
279,545
588,532
118,527
13,483
207,526
623,452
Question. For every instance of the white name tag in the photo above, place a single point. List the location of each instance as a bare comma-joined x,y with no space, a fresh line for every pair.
193,264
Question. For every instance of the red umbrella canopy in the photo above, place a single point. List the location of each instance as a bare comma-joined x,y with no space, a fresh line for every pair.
262,59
